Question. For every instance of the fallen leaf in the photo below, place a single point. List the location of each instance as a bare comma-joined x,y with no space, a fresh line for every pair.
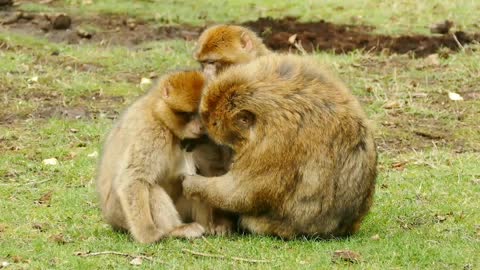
429,135
17,259
145,81
440,218
400,166
83,33
50,161
39,226
292,39
419,95
59,239
432,60
136,261
391,105
3,227
45,199
94,154
33,79
376,237
476,181
346,255
454,96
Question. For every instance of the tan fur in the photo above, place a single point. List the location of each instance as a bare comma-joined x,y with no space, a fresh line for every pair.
142,165
305,158
210,160
221,46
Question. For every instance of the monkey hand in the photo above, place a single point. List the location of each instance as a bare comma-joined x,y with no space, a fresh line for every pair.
192,186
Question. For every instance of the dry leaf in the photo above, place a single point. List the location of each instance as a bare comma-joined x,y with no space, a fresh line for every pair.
440,218
94,154
292,39
399,165
39,226
33,79
136,261
59,239
145,81
454,96
45,199
50,161
391,105
2,227
432,60
346,255
376,237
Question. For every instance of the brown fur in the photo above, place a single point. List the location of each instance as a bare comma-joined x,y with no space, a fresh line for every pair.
305,158
221,46
142,165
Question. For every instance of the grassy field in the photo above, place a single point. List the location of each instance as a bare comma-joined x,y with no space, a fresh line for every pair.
59,100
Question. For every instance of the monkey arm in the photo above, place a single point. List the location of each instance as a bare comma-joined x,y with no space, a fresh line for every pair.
223,192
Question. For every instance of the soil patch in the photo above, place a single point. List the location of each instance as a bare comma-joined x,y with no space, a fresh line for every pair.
323,35
278,34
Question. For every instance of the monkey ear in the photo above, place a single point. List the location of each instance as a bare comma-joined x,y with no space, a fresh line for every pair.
245,119
246,41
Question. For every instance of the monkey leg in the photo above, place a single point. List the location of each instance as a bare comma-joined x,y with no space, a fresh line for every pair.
135,201
266,226
167,218
113,213
223,192
164,213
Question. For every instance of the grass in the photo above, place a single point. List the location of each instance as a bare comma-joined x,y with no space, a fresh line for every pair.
426,205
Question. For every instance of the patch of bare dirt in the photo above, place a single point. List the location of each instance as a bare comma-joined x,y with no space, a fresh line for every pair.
278,34
323,35
53,105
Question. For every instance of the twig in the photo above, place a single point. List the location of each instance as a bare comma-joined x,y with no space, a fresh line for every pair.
458,42
25,184
196,253
299,47
88,254
212,246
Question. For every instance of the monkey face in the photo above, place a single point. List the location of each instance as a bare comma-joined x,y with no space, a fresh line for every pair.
193,128
233,130
222,46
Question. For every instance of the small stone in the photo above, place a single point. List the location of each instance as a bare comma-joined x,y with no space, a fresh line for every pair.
50,161
61,22
136,261
84,33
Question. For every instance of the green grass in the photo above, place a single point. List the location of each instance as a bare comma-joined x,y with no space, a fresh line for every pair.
425,213
392,16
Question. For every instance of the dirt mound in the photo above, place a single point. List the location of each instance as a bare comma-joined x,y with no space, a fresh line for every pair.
323,35
277,34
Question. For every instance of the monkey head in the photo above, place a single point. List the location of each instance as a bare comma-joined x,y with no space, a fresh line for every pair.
223,45
228,120
180,97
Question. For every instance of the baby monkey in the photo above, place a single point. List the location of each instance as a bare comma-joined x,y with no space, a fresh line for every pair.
142,166
221,46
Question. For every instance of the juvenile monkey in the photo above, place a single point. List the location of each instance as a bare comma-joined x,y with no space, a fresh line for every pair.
221,46
140,173
305,158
